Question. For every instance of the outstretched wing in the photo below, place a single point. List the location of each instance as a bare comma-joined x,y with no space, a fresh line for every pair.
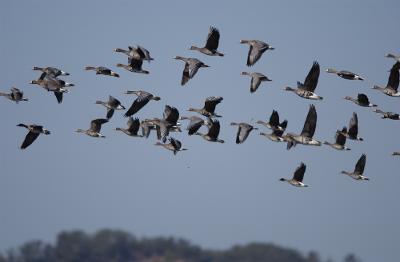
359,169
139,102
363,99
211,102
29,138
311,81
95,125
353,125
299,172
212,39
340,137
393,81
274,119
310,123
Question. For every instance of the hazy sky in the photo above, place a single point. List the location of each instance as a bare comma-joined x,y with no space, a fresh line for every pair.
213,194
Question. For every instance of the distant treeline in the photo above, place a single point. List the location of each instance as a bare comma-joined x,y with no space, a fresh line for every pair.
118,246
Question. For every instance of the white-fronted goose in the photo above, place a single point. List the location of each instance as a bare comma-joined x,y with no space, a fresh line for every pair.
171,115
195,124
388,115
344,74
142,99
357,174
307,89
340,140
352,132
111,105
138,53
213,132
395,57
192,65
273,121
16,95
174,145
257,48
393,82
256,79
57,86
162,126
34,132
306,136
52,71
243,132
135,66
298,176
102,70
361,100
133,127
211,44
208,109
95,127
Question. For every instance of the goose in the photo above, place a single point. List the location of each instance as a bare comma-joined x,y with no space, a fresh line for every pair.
208,109
174,145
243,132
142,99
396,154
213,132
147,126
395,57
393,82
340,140
111,105
277,133
211,44
273,121
34,132
95,127
357,174
307,89
133,127
306,136
298,176
256,79
57,86
192,65
138,53
388,115
16,95
361,100
102,70
195,123
257,48
52,71
345,74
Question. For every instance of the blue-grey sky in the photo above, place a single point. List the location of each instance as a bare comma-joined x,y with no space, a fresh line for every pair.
215,195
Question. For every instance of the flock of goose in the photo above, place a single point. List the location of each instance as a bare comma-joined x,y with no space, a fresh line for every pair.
50,81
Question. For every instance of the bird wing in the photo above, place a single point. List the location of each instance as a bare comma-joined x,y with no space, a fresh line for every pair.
340,137
185,74
29,138
363,99
213,131
171,114
135,63
242,133
133,125
299,172
193,68
254,55
255,83
393,81
211,102
212,39
175,143
274,119
113,102
110,113
95,125
194,125
139,102
353,125
311,81
310,123
359,169
59,96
